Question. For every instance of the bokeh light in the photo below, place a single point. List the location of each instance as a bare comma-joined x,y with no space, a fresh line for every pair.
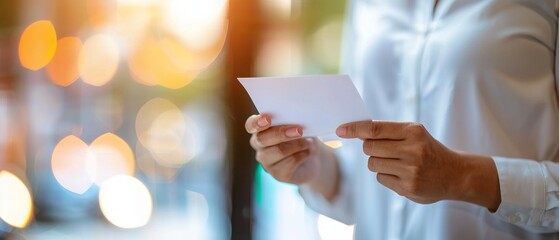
190,36
63,69
134,19
150,167
280,54
163,130
150,65
281,9
73,164
330,229
98,60
112,157
125,202
178,158
204,21
188,59
37,45
16,205
334,144
99,12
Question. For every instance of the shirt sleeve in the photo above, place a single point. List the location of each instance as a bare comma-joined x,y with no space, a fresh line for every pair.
530,189
341,207
529,193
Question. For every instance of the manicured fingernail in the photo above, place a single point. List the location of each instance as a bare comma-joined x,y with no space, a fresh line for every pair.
293,132
341,131
262,122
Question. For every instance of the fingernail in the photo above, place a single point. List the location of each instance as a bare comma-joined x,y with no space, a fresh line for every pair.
293,132
262,122
341,131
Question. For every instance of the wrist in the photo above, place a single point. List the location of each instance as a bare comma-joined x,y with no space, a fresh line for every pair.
327,180
478,182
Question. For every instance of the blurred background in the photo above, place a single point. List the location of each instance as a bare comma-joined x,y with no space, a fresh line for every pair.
123,119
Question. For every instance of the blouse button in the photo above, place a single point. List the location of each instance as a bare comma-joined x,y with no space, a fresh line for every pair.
514,218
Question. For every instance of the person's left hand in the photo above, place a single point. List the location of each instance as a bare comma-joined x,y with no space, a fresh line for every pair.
408,159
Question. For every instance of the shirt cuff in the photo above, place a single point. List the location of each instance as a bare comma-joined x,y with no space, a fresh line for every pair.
338,208
341,207
523,191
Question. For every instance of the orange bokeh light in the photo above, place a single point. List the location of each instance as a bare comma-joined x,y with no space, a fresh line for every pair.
150,65
99,11
37,45
98,60
113,156
190,59
63,69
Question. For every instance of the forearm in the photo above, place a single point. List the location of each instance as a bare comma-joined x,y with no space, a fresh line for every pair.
479,182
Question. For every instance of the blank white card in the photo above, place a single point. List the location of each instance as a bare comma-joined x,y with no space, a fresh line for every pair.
317,103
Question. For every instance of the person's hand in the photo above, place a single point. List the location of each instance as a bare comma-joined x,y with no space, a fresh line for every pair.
283,152
408,160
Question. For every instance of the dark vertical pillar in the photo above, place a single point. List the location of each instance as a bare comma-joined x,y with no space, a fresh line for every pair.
8,44
244,30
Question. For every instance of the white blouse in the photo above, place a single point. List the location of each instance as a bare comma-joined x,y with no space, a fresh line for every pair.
481,76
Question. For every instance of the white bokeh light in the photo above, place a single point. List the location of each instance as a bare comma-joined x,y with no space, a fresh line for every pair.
16,205
200,24
125,202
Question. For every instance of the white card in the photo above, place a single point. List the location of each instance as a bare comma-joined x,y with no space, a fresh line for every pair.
317,103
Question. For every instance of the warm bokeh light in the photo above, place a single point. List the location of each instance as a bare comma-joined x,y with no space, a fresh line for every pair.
112,157
37,45
16,205
199,24
164,140
73,164
98,60
278,8
63,69
188,59
280,54
163,129
137,2
149,166
148,114
331,229
99,12
334,143
134,20
149,64
191,37
125,202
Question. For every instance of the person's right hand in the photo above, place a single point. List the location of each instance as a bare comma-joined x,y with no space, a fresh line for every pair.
283,152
